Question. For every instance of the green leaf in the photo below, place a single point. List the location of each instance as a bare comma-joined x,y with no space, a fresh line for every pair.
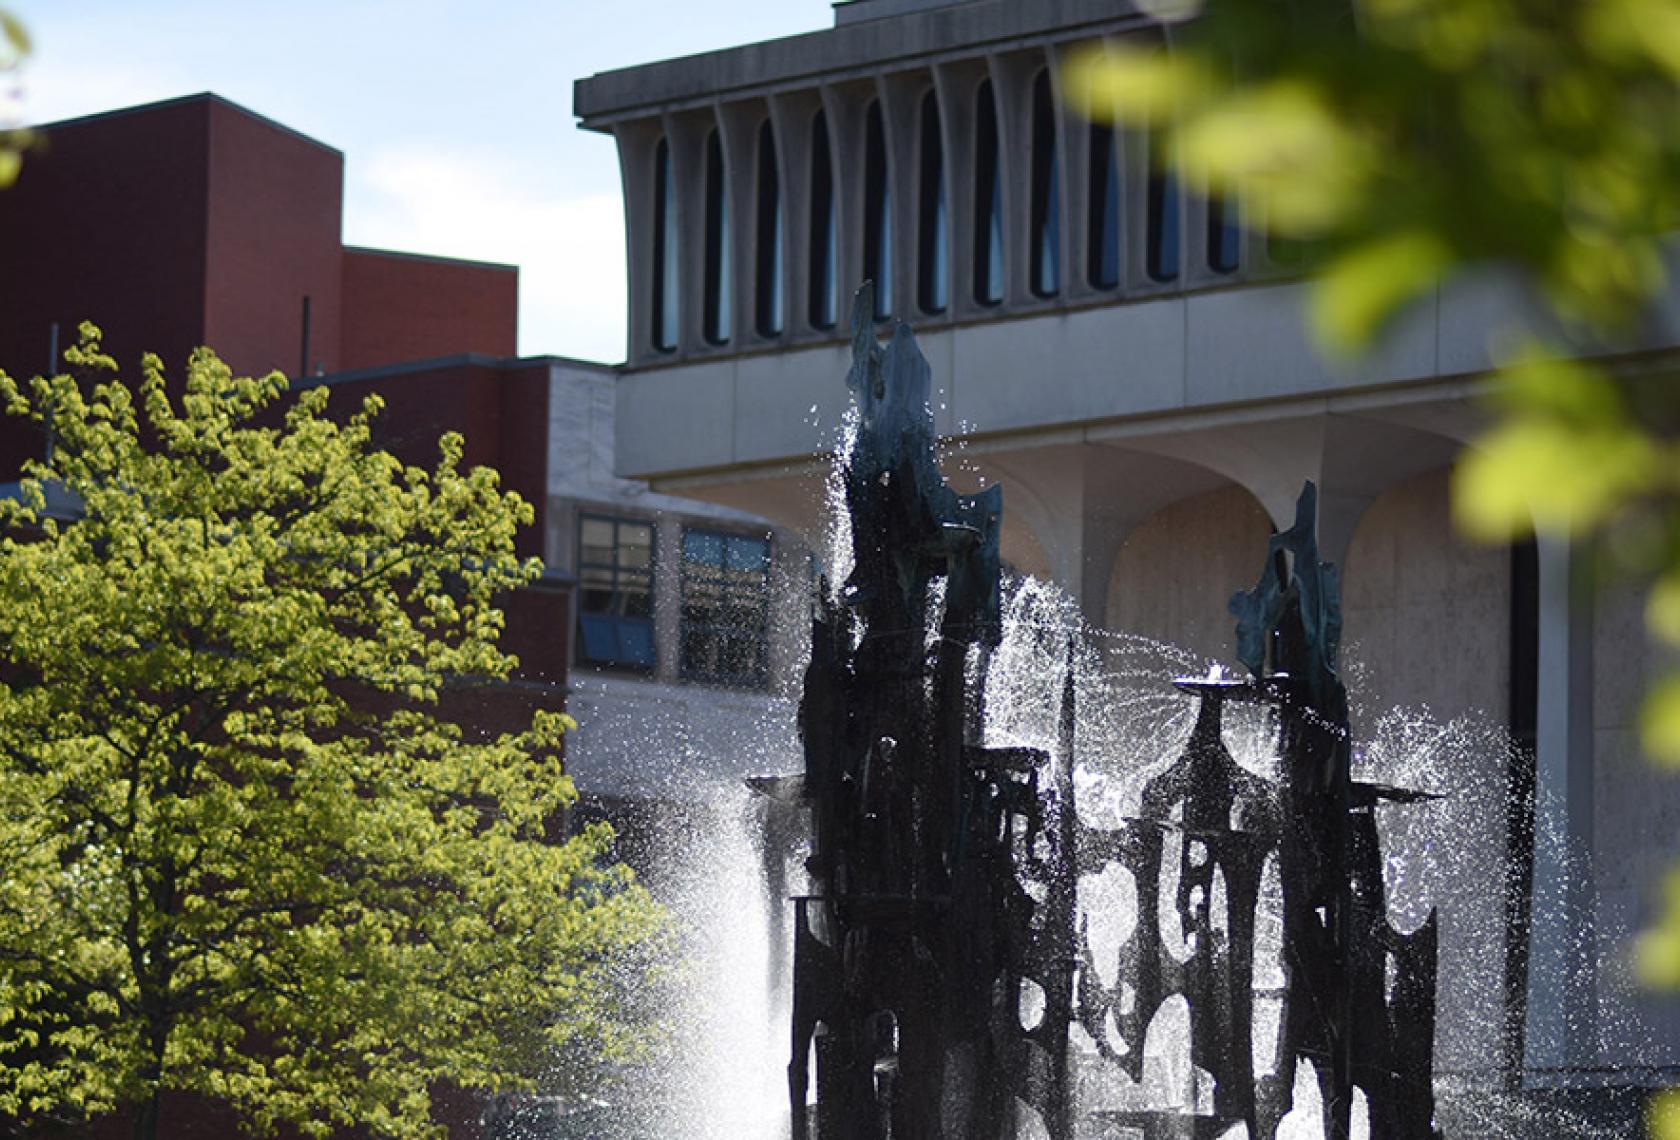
1664,1116
1527,475
1659,721
15,33
1361,289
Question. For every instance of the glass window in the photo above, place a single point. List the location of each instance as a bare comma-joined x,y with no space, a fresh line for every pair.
1104,247
664,251
932,253
1224,235
1046,193
717,294
988,201
877,213
824,228
1162,259
768,286
615,592
725,608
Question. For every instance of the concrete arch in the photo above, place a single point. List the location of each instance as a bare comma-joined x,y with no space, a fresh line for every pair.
1426,613
1178,567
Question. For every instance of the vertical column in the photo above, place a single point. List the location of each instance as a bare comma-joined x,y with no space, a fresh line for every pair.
1012,77
738,125
637,143
900,102
1562,1006
1073,151
686,134
957,85
667,595
792,115
846,105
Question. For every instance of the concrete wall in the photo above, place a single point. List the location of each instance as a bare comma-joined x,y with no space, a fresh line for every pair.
1635,821
1176,571
1426,614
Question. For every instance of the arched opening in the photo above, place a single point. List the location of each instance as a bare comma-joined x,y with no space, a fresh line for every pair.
1164,210
768,275
824,228
1103,246
1046,192
877,213
715,302
664,251
933,282
988,200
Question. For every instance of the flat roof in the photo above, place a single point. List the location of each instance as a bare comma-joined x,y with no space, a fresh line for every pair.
863,46
207,97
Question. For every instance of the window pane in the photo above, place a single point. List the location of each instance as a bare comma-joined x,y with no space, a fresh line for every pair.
1046,193
725,607
988,198
748,554
1104,251
1224,235
931,273
877,214
768,283
824,227
700,546
1163,219
635,545
615,592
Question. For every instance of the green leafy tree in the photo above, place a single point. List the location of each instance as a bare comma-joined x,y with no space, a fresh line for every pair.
1408,142
246,854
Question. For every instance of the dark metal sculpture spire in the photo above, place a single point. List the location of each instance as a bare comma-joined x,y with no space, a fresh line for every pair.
946,873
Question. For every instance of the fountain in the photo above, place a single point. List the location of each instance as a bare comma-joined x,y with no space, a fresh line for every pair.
942,965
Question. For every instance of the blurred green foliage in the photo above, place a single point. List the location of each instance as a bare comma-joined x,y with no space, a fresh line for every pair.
1407,143
14,50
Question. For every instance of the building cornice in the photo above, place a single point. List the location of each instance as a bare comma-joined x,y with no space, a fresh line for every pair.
870,46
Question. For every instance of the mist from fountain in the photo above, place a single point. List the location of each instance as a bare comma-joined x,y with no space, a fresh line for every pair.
722,1071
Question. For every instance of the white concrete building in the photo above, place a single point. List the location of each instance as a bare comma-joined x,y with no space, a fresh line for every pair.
1130,363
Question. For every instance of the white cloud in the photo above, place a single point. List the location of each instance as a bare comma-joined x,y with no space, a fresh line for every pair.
570,250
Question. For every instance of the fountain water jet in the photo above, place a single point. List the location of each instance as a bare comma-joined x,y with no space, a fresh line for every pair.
941,965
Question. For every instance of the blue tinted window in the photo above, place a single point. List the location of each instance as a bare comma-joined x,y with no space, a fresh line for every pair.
768,283
988,201
933,281
1162,259
877,213
1046,193
1104,248
824,227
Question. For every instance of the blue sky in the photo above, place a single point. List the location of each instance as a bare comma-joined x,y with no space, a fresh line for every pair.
455,119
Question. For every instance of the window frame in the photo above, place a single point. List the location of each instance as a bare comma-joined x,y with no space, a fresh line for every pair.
687,670
581,565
